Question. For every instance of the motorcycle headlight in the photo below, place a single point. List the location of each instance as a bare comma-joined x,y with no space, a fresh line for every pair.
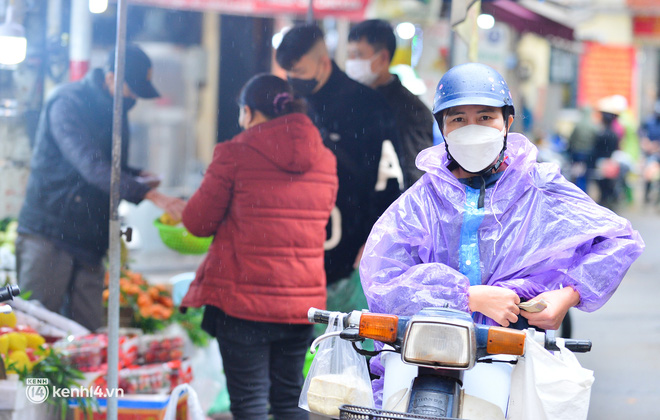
449,343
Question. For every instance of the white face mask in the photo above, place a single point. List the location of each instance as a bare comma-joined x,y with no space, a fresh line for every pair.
475,147
359,69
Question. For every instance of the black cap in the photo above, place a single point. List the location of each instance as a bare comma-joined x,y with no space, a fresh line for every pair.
137,71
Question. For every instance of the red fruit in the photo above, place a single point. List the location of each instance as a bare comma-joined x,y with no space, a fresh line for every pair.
24,328
6,330
31,355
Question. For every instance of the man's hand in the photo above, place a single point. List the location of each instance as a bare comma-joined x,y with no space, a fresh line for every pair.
559,301
150,179
358,257
172,205
498,303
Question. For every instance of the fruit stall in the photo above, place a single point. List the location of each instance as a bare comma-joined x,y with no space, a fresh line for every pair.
158,347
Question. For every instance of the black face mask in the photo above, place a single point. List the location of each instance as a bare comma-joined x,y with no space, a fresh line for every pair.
303,87
129,103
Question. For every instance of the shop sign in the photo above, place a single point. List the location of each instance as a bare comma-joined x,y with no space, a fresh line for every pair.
353,9
606,70
646,26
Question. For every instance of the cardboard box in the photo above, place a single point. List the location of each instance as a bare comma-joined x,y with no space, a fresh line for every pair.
136,407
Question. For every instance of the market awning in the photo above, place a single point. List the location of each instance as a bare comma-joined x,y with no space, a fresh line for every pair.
644,7
525,20
351,9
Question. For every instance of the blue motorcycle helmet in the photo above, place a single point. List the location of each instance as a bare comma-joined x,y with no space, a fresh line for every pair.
473,84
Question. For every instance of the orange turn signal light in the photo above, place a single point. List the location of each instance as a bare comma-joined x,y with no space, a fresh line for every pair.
379,327
505,341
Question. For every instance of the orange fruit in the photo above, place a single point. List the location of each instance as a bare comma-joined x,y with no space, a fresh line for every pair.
154,293
136,278
164,288
144,300
132,289
145,311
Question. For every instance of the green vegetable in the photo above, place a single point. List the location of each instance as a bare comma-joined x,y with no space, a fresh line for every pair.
61,375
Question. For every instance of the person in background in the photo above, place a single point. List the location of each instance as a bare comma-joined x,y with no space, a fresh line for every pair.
606,142
629,144
357,126
63,223
487,226
580,147
371,46
650,143
266,197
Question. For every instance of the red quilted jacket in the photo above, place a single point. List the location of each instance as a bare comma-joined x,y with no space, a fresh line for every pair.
267,197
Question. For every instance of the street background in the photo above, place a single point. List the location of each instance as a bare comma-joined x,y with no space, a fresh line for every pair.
626,335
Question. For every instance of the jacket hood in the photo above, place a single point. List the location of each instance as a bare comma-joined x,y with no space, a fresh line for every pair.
291,141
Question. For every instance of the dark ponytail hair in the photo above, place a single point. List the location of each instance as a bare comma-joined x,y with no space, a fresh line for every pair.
271,96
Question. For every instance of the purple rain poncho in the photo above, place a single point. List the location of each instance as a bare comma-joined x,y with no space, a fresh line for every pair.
536,232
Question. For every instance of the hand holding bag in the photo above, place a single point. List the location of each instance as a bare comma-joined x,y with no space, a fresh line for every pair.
338,375
546,386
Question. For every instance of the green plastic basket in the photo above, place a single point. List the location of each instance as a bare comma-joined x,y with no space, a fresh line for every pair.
309,358
179,239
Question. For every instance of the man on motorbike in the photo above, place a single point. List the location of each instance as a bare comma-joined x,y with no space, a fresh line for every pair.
487,226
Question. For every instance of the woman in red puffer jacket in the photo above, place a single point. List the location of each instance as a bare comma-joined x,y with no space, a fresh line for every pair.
267,197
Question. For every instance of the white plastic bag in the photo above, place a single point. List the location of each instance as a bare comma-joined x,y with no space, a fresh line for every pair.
338,375
546,386
194,408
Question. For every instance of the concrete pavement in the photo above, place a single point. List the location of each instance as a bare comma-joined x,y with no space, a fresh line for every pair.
626,335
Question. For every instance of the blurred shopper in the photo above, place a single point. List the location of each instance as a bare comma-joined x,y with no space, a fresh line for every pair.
650,142
606,143
629,143
63,224
357,125
267,197
371,46
580,148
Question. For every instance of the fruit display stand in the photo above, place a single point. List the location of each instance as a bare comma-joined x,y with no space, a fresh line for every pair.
145,381
25,355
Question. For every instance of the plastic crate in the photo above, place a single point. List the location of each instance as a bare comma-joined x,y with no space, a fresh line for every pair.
179,239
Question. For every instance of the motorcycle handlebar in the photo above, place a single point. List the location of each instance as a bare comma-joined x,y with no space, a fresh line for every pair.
9,292
318,316
576,346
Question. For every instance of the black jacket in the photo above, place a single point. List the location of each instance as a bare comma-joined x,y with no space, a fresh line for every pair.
415,123
68,191
354,121
605,143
